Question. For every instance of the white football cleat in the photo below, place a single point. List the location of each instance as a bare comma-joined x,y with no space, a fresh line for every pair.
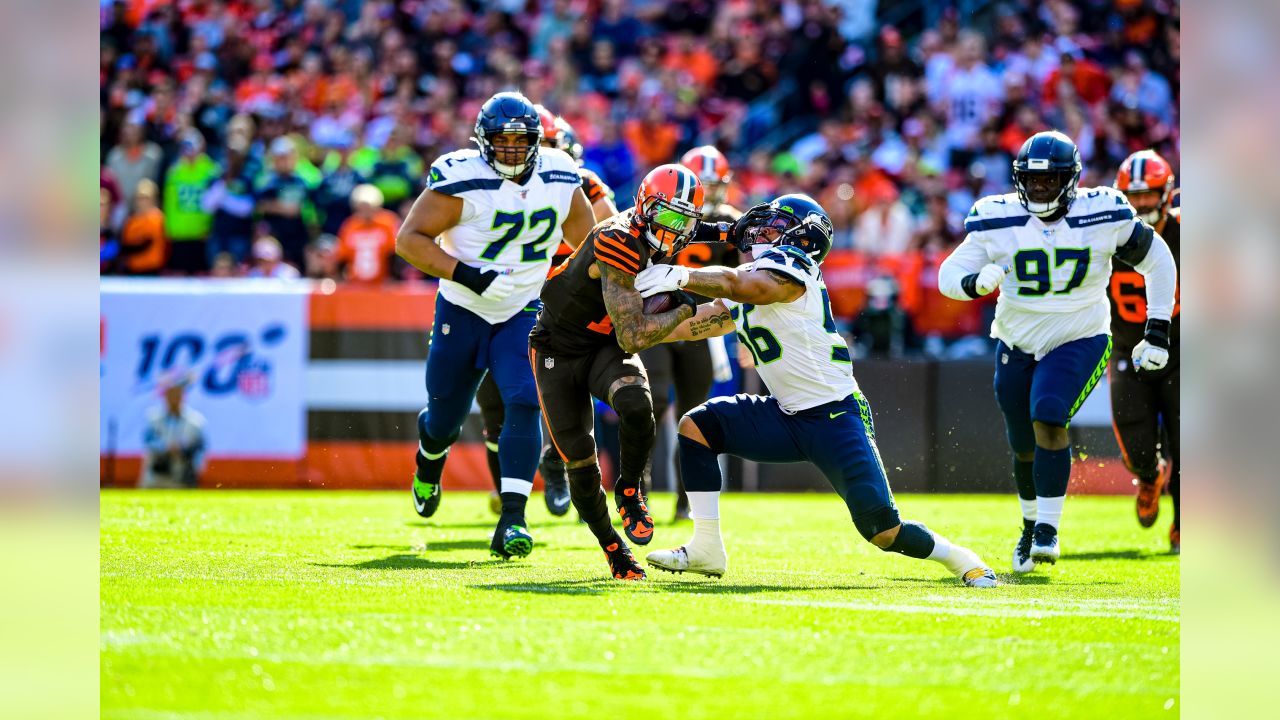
1044,544
980,577
690,559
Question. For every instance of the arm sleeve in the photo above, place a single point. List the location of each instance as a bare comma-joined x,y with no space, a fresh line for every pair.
964,261
1161,275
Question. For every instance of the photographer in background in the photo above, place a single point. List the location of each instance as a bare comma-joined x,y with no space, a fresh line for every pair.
174,438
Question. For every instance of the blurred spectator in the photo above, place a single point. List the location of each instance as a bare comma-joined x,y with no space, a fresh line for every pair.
134,159
268,261
230,200
108,241
322,259
1137,86
282,194
652,139
1077,77
224,265
143,246
187,222
395,168
969,96
333,197
367,240
174,439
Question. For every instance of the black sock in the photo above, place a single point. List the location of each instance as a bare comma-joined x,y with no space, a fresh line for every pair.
429,470
513,506
1024,477
589,500
914,540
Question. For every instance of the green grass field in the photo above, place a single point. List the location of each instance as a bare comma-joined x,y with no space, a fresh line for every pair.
324,605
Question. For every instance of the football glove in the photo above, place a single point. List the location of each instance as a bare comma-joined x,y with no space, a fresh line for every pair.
489,284
661,278
1153,352
990,277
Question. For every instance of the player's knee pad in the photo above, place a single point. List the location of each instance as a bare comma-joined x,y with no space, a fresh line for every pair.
708,424
634,406
1050,410
577,449
434,439
873,522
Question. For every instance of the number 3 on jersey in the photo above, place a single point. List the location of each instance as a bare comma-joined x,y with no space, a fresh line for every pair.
1032,266
515,223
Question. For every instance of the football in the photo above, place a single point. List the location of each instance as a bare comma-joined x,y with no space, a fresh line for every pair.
660,303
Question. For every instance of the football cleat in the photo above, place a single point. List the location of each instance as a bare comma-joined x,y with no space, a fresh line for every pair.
1175,541
1148,503
426,497
555,492
511,539
636,521
980,577
622,564
1044,544
1022,562
711,563
495,503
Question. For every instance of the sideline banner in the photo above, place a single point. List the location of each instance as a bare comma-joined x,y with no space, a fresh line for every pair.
243,344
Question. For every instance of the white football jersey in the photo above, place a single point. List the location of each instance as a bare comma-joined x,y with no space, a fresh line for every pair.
1056,289
798,352
509,228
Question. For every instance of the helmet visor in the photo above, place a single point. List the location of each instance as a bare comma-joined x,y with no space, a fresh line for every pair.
672,219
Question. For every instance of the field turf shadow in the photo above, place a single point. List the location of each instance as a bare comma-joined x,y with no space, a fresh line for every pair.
406,561
600,586
441,545
1118,555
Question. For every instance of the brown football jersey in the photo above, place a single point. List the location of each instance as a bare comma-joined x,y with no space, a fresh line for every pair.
1128,294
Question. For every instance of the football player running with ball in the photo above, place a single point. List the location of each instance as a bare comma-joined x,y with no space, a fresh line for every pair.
487,226
814,412
1048,247
591,325
1142,401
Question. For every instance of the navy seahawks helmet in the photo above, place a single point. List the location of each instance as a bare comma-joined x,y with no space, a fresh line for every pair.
568,140
504,113
1046,174
799,220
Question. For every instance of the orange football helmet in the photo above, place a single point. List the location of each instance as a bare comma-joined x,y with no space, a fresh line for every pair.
669,205
1147,180
712,168
550,131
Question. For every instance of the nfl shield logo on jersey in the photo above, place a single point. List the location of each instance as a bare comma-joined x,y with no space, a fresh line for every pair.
549,362
444,329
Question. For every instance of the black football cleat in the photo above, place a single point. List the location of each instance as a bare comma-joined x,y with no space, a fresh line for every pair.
1044,544
636,521
622,564
555,491
426,497
511,539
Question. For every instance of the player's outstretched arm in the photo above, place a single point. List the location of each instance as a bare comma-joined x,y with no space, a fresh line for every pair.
603,208
968,272
758,287
432,213
636,331
712,320
580,220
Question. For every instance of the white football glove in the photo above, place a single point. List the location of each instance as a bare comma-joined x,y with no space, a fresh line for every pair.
990,277
500,289
1149,357
661,278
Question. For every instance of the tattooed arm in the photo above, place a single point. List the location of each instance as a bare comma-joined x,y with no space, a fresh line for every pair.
744,285
636,331
713,320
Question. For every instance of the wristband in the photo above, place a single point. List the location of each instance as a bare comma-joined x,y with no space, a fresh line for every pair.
969,283
1157,333
473,279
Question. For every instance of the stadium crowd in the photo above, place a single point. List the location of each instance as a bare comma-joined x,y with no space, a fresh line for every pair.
274,137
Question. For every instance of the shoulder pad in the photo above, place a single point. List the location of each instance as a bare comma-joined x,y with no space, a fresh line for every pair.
460,171
555,166
1099,206
788,260
995,212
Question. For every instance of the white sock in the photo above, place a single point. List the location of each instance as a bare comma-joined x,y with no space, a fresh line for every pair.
706,533
1049,510
516,485
1028,508
704,505
956,558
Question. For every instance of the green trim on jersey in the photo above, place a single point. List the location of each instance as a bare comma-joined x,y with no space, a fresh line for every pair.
1093,381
